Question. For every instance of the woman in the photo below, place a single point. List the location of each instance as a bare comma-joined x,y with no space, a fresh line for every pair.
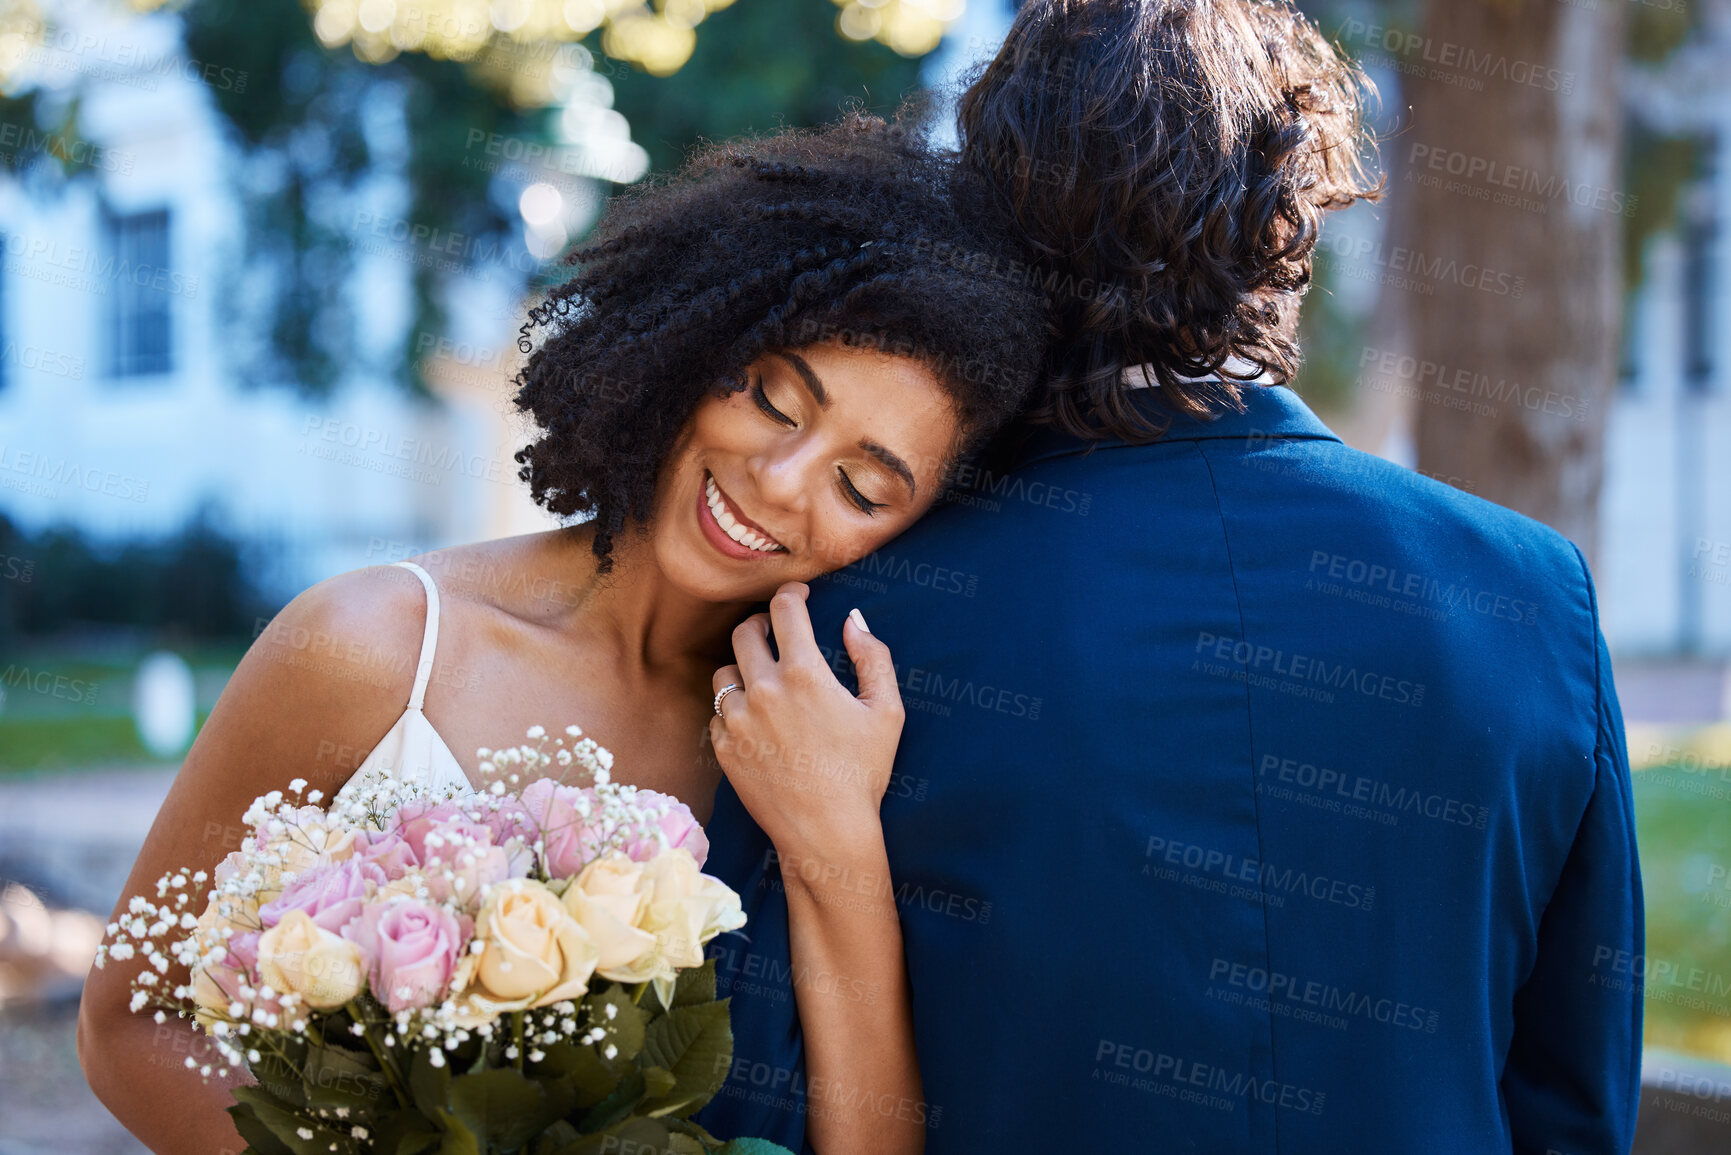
760,373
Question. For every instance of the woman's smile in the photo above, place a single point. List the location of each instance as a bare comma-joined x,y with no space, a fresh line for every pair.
728,529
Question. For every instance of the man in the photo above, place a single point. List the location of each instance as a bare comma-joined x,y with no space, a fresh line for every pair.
1255,794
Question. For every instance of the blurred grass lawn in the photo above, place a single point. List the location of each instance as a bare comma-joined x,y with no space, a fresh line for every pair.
82,714
1683,824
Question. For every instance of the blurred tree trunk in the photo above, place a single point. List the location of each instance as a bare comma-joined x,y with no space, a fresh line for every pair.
1517,305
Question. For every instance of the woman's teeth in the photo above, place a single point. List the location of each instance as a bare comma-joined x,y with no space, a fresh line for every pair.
730,526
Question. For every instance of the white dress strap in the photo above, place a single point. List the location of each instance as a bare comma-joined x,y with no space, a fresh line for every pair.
430,640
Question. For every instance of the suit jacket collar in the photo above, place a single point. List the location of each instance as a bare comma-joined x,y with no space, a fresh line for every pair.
1271,412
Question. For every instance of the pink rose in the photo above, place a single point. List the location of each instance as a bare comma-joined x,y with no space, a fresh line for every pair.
558,815
679,827
507,818
232,866
411,949
465,869
388,852
454,850
415,820
330,895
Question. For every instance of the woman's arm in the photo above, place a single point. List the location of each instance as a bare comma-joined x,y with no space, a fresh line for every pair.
811,763
318,688
851,986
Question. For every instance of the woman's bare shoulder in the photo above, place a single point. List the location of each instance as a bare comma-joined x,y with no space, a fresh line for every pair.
356,633
323,681
531,576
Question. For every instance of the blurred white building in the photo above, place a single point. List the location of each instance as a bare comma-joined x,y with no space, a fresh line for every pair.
123,405
1667,510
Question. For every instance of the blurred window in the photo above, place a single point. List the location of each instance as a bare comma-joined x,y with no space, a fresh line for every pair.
138,329
5,375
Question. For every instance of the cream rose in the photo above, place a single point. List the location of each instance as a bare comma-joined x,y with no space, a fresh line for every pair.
411,885
532,953
608,900
228,950
297,956
686,908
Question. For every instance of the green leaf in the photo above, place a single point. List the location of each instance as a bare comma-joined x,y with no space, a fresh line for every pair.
696,985
634,1136
281,1079
690,1128
695,1043
404,1132
259,1138
620,1104
657,1081
459,1140
753,1147
554,1139
503,1108
637,1135
574,1076
624,1028
337,1077
286,1125
430,1086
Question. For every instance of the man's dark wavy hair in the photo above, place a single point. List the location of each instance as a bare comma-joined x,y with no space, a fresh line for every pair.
860,233
1183,152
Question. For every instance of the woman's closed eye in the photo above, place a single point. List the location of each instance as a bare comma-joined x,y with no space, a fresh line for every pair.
865,504
764,403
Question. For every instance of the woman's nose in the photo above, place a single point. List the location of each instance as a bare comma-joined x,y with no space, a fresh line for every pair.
784,477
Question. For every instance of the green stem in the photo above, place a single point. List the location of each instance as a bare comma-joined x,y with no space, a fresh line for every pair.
385,1064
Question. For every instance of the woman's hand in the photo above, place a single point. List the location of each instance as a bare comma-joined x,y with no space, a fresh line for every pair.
811,763
810,760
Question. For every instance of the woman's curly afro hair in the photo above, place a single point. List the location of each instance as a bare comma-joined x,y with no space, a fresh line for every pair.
860,233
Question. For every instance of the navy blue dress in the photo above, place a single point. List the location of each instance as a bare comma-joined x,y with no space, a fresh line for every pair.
1256,795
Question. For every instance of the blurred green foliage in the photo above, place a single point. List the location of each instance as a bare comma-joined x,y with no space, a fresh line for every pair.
192,586
1683,827
759,65
1657,170
299,122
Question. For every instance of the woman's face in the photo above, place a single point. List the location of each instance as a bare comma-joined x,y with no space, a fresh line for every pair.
828,453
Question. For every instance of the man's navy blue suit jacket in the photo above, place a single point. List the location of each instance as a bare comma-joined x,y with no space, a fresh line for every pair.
1256,795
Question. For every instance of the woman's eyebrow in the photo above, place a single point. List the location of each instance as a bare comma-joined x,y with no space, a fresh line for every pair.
815,386
895,464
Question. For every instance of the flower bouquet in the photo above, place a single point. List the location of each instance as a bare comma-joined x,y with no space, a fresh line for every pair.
423,971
